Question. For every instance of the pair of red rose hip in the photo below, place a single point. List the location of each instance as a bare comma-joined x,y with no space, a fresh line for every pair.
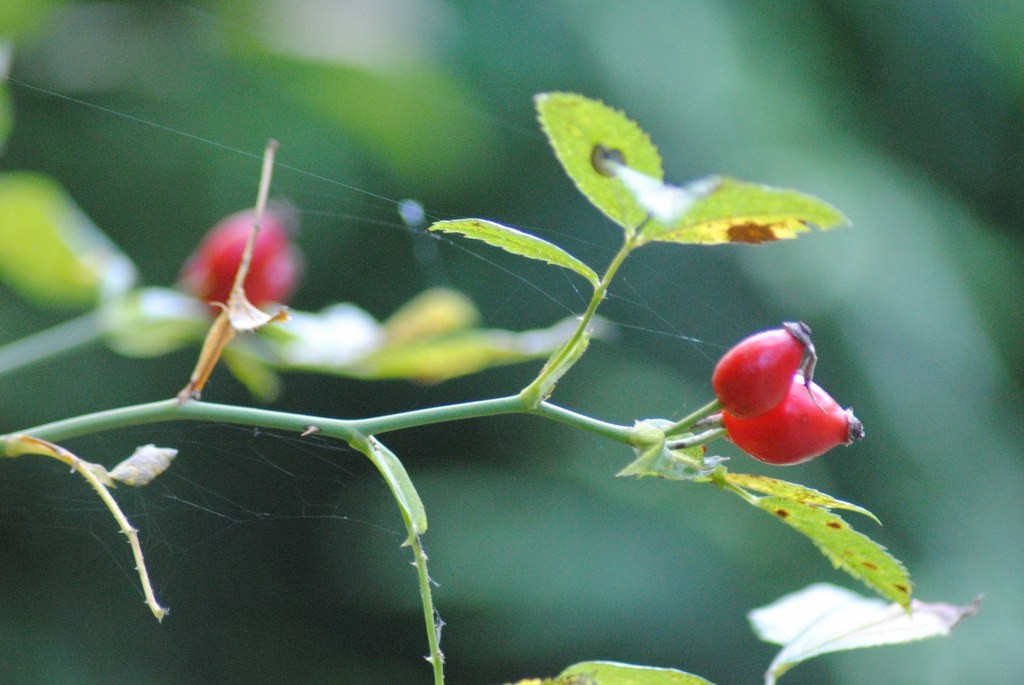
771,409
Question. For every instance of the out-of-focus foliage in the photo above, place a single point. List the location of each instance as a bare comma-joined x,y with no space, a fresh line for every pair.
280,556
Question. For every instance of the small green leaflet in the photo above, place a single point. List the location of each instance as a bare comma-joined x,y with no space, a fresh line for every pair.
516,242
612,673
579,128
738,212
857,554
793,491
402,489
823,618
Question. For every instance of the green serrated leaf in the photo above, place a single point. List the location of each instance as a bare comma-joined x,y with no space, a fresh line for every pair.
50,252
857,554
398,481
793,491
516,242
739,212
612,673
581,130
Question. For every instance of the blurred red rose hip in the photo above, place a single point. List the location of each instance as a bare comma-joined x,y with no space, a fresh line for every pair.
273,272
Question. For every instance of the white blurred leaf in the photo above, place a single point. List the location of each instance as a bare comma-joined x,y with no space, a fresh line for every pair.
145,464
824,618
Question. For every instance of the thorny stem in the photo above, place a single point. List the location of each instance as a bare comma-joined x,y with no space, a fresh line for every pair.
132,534
430,615
18,444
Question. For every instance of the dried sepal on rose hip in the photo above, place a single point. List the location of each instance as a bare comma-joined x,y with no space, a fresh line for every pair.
273,272
755,375
806,424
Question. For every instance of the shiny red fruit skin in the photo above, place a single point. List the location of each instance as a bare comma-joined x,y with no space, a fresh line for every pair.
273,272
800,428
754,376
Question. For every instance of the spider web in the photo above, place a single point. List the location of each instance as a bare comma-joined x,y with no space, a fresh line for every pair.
284,482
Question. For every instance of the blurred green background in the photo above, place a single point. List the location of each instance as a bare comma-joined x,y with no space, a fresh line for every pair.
280,557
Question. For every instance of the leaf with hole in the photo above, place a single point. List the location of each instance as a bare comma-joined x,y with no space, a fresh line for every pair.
516,242
584,133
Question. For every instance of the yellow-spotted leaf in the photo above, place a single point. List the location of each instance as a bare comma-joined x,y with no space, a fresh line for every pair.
516,242
738,212
857,554
586,134
50,252
800,493
612,673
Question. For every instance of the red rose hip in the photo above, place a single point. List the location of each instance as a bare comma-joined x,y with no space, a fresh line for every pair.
755,375
273,272
798,429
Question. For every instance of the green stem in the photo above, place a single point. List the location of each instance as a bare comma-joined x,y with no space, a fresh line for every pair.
345,429
687,422
566,355
51,342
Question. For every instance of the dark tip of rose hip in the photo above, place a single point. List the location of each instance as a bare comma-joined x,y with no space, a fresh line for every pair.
856,427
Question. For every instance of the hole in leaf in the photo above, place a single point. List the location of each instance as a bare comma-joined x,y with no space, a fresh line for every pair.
601,155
